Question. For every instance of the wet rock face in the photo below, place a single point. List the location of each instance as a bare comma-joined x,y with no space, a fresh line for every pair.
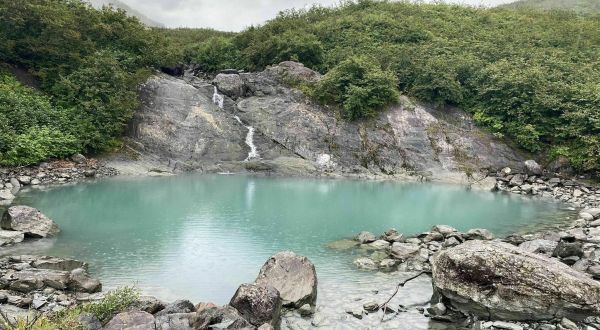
293,276
500,281
258,304
29,221
179,123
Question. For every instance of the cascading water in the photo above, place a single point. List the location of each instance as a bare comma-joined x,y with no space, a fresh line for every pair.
253,154
249,140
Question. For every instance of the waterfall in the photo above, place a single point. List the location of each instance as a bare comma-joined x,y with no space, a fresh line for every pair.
218,99
253,154
249,140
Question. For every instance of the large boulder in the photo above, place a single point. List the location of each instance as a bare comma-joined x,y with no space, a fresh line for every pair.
136,320
258,304
533,167
500,281
31,279
28,220
293,276
81,281
231,85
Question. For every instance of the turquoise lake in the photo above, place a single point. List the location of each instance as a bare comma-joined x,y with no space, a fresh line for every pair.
199,236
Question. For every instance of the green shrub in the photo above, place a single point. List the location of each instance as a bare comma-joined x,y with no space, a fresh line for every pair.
358,87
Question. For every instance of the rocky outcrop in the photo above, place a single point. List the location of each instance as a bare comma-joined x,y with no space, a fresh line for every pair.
29,221
293,276
500,281
180,125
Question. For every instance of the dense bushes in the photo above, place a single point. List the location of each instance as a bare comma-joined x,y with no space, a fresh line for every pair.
89,63
359,86
529,75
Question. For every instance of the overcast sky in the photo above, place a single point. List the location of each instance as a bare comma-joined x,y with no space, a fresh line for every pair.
233,15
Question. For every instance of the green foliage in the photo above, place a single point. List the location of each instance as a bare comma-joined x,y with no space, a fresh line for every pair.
113,303
579,6
89,63
529,75
215,54
359,86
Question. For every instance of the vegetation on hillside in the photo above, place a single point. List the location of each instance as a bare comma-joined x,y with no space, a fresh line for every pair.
579,6
89,63
529,75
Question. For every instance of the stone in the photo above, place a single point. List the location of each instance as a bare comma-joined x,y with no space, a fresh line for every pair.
24,179
46,262
378,245
568,248
258,304
437,309
533,167
387,264
6,195
266,326
365,237
8,237
516,180
586,216
231,85
31,279
444,230
497,280
365,263
175,321
356,312
404,251
78,158
28,220
567,324
595,212
478,233
539,246
225,317
452,241
506,171
203,305
178,306
306,310
391,235
506,325
80,281
293,276
150,304
89,321
371,306
487,184
135,320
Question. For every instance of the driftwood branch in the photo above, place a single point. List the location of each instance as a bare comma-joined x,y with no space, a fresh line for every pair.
400,285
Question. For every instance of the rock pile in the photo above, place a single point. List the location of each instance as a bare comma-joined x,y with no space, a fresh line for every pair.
45,284
540,183
55,172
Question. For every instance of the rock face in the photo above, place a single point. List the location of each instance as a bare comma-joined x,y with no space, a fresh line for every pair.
500,281
258,304
293,276
180,125
29,221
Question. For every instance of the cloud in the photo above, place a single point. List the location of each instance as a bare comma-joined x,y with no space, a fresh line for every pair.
232,15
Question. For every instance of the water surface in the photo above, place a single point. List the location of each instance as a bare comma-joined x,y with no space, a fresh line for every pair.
199,237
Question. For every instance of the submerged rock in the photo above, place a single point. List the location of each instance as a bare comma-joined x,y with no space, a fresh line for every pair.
500,281
293,276
28,220
258,304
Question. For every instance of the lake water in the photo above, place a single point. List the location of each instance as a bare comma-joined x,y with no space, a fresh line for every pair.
199,237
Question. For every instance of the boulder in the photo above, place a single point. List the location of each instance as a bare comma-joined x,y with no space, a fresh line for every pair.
8,237
487,184
595,212
258,304
365,263
81,281
28,220
148,304
478,233
404,251
365,237
31,279
539,246
78,158
443,229
568,247
516,180
178,306
89,321
533,167
497,280
6,195
392,235
175,321
231,85
136,320
293,276
56,263
225,317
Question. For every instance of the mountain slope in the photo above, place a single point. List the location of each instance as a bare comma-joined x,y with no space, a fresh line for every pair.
579,6
132,12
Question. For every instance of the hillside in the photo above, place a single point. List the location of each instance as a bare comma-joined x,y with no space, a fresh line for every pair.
131,11
579,6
